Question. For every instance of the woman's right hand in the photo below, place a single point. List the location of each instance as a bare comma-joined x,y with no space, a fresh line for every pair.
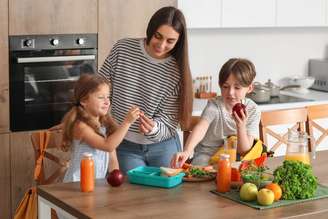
132,115
179,159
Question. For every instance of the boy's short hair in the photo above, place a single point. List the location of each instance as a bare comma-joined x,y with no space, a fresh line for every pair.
242,69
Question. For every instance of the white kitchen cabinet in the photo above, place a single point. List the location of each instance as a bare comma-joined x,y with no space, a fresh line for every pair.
201,14
301,13
250,13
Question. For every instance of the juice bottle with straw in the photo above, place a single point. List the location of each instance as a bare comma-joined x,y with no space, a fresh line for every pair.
87,182
223,178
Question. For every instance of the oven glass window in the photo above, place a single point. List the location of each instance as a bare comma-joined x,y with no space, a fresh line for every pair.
42,85
51,87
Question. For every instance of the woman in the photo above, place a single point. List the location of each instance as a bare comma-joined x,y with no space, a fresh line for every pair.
153,74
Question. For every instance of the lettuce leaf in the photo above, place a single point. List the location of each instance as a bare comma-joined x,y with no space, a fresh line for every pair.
296,180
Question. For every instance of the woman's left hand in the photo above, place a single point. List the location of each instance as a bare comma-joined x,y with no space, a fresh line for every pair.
146,124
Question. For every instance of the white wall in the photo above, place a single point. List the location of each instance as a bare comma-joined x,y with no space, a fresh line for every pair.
276,52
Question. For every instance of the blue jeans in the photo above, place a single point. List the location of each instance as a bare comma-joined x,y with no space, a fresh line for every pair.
131,155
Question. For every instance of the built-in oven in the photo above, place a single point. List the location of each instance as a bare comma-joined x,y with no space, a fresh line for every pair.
43,71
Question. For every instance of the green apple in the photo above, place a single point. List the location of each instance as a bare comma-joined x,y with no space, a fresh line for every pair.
265,197
248,192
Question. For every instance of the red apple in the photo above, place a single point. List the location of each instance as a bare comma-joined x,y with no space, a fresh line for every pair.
115,178
238,107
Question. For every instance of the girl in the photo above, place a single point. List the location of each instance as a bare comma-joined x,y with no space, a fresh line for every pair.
218,121
152,73
87,127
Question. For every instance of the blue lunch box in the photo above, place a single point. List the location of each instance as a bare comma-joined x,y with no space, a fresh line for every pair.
151,176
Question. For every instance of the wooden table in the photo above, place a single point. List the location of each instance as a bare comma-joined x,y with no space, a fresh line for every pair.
189,200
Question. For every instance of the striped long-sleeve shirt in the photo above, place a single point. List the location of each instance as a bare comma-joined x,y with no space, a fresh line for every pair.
151,84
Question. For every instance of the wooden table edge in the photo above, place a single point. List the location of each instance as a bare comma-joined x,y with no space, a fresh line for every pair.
60,204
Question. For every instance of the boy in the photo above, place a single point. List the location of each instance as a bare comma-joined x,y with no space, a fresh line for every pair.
219,121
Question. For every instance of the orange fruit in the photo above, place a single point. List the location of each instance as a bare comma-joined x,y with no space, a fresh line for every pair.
276,189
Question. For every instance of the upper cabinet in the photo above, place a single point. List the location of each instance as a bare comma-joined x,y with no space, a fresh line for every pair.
4,73
250,13
201,14
119,19
52,17
301,13
254,13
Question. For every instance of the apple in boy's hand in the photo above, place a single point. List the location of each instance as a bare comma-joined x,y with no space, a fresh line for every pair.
115,178
238,107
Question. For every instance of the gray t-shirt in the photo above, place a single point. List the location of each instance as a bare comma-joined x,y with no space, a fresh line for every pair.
222,123
221,126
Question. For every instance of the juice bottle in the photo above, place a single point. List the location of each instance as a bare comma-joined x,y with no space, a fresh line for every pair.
230,147
87,173
223,178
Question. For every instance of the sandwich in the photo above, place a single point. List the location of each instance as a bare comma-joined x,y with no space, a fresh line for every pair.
166,171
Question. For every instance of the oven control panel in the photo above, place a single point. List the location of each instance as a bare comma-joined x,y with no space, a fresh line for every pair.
54,42
27,43
58,41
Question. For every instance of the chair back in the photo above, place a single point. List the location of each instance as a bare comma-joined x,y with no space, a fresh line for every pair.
51,162
186,132
295,117
316,113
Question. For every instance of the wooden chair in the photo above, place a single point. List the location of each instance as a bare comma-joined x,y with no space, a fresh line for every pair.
296,117
186,132
51,162
316,113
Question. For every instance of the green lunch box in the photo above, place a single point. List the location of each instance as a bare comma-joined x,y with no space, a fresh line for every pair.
151,176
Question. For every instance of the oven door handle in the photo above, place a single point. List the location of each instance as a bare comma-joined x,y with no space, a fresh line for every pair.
55,59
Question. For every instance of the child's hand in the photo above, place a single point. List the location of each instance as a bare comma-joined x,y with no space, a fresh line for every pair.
240,121
179,159
132,115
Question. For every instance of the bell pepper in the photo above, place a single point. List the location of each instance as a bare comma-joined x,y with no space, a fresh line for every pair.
260,161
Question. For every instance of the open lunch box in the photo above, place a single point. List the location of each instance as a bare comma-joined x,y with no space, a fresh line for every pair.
151,176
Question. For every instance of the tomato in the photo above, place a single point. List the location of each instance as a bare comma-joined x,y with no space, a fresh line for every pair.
243,165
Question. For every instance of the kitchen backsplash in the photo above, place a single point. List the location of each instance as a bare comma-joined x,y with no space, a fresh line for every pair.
276,52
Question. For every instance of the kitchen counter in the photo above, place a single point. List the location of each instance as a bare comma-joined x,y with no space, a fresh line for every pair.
315,98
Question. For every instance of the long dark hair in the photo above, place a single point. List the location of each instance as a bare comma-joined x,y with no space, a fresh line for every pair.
87,84
173,17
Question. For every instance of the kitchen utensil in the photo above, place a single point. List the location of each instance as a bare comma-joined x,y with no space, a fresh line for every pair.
275,89
260,94
303,84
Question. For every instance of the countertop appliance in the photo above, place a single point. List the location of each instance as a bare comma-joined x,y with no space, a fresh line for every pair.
43,71
318,68
284,99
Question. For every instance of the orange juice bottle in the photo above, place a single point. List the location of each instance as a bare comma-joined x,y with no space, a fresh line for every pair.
87,173
223,178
